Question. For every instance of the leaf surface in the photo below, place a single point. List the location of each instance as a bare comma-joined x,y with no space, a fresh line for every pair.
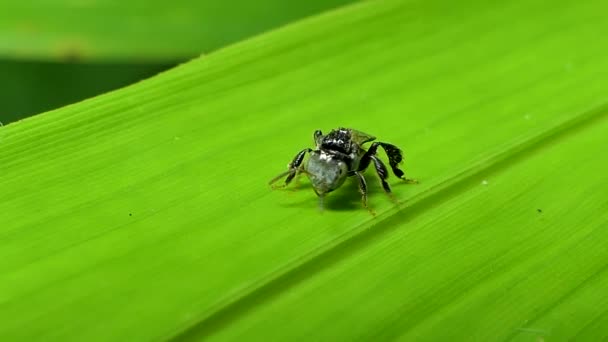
148,208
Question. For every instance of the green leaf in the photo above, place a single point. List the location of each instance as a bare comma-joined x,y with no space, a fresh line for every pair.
145,214
139,30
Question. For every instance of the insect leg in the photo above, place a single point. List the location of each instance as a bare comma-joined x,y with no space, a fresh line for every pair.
367,157
395,157
363,190
381,170
293,168
382,173
317,136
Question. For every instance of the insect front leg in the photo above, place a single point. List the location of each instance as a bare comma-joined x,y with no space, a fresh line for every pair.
363,190
294,166
318,136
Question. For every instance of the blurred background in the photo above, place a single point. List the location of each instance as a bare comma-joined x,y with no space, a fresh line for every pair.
57,52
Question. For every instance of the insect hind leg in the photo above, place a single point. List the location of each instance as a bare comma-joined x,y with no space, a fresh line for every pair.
395,156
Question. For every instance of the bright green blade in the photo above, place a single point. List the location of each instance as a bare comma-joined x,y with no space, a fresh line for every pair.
145,213
139,30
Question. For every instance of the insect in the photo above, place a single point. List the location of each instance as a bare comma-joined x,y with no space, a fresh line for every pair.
339,155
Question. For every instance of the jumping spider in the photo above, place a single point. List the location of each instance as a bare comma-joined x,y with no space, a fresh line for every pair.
339,155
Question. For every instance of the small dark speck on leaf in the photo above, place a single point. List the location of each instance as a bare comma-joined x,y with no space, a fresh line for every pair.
539,211
130,214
